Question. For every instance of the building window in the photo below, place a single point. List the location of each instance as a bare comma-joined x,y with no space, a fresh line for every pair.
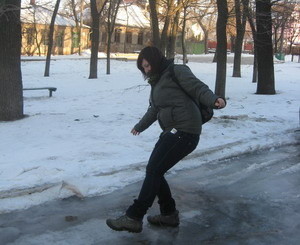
128,37
141,38
75,40
30,36
104,37
59,39
118,35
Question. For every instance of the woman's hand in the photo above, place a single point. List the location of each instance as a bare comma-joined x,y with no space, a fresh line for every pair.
220,103
134,132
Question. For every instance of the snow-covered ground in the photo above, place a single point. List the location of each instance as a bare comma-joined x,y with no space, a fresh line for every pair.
78,142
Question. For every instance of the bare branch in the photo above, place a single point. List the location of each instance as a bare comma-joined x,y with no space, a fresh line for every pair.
138,87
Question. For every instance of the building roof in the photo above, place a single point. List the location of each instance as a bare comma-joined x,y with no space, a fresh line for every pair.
132,15
128,15
41,15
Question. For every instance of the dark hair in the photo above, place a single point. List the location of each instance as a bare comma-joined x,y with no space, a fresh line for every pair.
154,57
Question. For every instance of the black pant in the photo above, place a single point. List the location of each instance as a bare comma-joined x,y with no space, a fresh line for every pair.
168,151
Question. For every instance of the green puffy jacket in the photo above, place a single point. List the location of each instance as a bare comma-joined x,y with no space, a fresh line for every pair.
172,107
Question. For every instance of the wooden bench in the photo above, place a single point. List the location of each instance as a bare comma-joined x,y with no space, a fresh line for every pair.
51,89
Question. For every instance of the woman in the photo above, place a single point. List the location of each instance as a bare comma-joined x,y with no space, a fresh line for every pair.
180,120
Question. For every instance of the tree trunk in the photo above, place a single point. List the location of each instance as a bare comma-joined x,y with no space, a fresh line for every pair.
206,42
275,41
11,94
232,43
184,55
205,32
290,48
126,28
165,34
108,54
252,26
281,39
38,43
111,20
265,65
95,36
154,23
172,39
108,47
221,47
215,57
78,22
110,32
95,40
80,28
240,30
254,74
50,44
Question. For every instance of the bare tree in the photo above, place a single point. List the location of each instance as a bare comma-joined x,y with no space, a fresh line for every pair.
282,12
169,14
221,47
265,65
154,23
50,39
231,24
125,6
250,17
74,9
205,14
78,17
11,94
174,31
111,20
36,32
293,32
184,53
188,14
240,17
165,34
32,32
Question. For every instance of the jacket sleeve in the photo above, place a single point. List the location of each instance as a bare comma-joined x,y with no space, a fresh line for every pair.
149,118
194,86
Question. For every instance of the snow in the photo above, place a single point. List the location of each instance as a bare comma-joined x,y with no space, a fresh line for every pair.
78,142
132,15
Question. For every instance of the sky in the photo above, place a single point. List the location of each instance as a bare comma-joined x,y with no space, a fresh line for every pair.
78,142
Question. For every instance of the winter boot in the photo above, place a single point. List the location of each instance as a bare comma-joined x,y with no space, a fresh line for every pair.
124,223
165,220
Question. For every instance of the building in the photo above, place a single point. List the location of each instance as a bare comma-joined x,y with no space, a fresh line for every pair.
36,21
132,30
